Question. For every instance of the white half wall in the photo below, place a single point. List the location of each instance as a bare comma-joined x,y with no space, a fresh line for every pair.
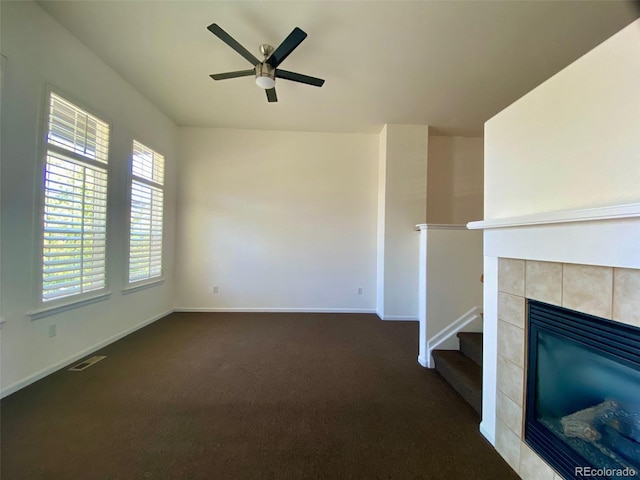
40,52
277,221
403,205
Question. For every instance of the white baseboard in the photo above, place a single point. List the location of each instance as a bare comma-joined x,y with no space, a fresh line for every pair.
272,309
14,387
398,318
488,433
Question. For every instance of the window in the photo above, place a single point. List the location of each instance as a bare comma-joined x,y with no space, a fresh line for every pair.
75,201
145,231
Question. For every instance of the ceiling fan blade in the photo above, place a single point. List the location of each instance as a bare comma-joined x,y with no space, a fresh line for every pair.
239,73
287,46
271,95
298,77
229,40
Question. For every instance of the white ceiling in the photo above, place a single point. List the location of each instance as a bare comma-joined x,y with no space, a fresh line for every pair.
448,64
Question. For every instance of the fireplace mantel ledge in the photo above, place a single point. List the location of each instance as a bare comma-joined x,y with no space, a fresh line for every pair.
614,212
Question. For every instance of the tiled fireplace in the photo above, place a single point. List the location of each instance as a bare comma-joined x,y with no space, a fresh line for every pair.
561,221
607,292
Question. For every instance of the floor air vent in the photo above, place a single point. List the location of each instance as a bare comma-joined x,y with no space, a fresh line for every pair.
87,363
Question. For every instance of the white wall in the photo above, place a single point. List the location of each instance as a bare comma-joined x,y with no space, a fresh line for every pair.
40,52
571,143
277,220
403,159
455,181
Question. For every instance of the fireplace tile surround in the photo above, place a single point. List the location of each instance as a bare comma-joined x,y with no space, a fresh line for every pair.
608,292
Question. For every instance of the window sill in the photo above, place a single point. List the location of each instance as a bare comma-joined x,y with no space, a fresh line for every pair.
136,287
59,308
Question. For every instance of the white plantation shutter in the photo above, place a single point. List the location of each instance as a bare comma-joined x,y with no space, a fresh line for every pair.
147,165
77,131
147,197
75,202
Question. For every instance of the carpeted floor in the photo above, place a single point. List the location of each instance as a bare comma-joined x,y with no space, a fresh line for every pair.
239,396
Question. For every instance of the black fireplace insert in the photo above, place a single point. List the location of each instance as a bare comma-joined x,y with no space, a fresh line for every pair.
582,405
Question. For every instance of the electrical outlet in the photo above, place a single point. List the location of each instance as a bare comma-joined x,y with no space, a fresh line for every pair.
52,330
214,289
360,291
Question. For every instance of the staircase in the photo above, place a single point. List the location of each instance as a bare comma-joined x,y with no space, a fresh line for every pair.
463,368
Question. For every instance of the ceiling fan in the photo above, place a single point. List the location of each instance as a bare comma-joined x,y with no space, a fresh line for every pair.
266,71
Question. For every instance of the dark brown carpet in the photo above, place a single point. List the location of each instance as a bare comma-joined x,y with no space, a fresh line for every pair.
249,396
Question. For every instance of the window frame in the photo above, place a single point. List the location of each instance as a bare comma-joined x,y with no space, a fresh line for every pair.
143,283
57,305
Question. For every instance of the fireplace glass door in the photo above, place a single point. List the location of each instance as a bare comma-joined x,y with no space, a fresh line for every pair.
583,393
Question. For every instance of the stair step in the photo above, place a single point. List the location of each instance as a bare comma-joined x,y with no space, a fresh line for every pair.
462,373
471,345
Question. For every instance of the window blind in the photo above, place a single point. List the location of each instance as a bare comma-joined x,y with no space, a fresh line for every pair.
147,211
75,202
77,131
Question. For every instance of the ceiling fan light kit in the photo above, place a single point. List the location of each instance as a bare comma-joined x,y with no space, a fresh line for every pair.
265,76
266,71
